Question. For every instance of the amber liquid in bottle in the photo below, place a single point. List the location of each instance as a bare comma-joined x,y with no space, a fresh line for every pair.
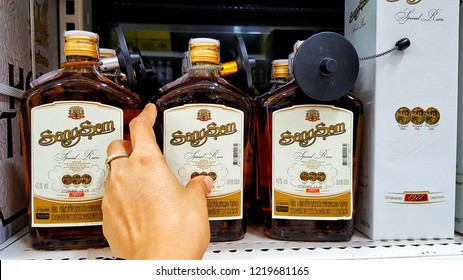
78,83
279,77
291,95
203,88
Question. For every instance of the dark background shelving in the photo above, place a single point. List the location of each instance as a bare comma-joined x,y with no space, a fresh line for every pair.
322,13
269,29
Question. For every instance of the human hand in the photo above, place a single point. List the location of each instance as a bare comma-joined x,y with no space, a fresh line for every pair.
147,213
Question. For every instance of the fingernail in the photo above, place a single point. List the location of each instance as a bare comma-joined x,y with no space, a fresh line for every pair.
149,104
209,182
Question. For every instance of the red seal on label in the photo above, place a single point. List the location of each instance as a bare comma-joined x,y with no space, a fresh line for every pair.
76,194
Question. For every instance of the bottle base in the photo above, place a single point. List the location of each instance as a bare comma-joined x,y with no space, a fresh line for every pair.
310,231
228,230
71,238
71,244
222,237
308,236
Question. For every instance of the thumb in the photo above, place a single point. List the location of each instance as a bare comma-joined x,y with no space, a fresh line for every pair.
201,184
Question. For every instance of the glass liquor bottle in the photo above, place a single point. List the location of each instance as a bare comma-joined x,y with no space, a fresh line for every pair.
205,126
280,73
309,139
279,76
68,122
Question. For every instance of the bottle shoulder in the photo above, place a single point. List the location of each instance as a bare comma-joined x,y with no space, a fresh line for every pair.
80,80
85,86
206,88
291,95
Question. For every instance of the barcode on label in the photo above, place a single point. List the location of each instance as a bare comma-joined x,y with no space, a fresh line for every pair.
236,154
345,154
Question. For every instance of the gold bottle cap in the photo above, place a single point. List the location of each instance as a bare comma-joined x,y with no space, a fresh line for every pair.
81,43
204,50
104,52
279,68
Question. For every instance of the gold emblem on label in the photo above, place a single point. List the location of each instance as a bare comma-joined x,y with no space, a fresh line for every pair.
304,176
213,175
432,116
403,115
418,115
86,179
204,115
321,176
312,115
76,179
66,179
76,113
312,176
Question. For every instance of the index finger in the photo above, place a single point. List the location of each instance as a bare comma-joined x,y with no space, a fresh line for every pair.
142,133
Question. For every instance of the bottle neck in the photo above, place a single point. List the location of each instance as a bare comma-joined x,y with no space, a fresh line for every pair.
279,81
80,62
204,68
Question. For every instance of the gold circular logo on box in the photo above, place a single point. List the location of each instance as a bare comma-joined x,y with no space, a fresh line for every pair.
403,115
432,116
418,116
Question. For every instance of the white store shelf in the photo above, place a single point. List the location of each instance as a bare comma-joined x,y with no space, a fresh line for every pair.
256,246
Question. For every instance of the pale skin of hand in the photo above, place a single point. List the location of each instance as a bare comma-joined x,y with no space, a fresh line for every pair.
147,213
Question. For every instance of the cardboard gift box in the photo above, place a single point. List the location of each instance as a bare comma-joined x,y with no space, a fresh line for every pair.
459,179
407,181
20,38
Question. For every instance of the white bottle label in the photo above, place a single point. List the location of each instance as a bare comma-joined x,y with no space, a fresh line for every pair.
312,163
207,139
68,152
